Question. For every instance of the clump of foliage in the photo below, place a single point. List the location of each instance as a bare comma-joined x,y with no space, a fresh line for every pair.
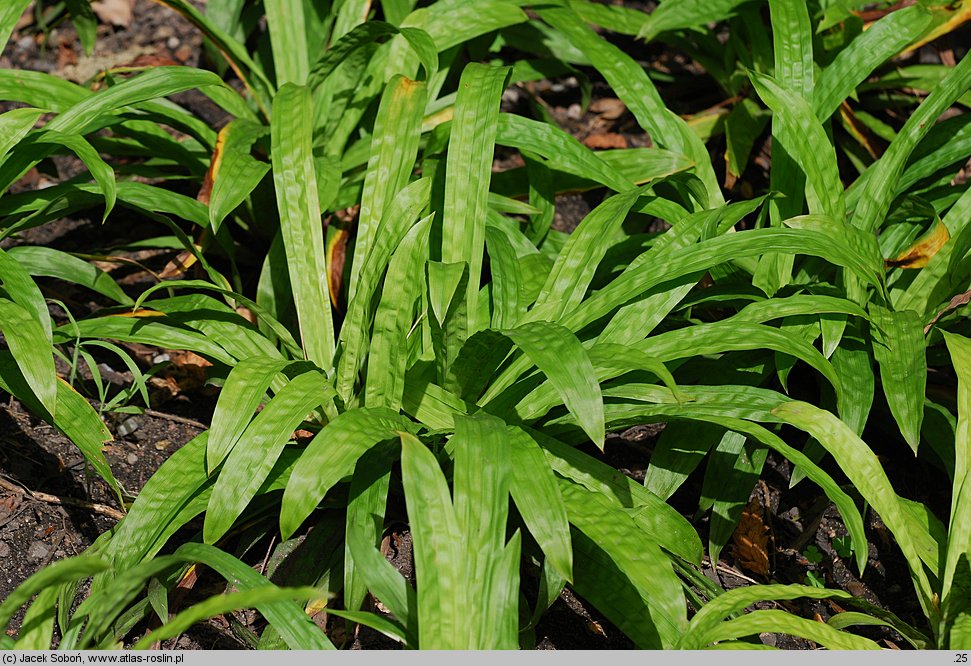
449,351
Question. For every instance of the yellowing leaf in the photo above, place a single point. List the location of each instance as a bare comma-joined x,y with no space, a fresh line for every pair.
919,254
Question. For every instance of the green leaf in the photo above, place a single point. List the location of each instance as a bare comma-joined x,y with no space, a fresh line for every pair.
882,40
226,603
14,126
249,462
863,468
37,628
563,151
778,621
804,139
639,562
235,172
393,321
394,147
293,624
559,355
436,541
536,494
62,571
44,261
331,455
959,530
24,337
875,191
387,584
632,85
299,208
680,14
467,176
711,617
899,349
10,13
288,39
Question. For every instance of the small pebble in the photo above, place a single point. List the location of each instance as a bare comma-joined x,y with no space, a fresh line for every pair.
4,549
162,444
173,42
183,53
132,459
38,550
128,426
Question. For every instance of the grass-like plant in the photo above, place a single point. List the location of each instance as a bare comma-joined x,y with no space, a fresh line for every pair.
449,352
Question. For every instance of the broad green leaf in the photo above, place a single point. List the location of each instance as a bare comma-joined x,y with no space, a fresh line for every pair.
467,176
299,208
805,141
99,169
256,597
386,584
875,194
654,517
23,291
437,543
632,85
563,152
680,14
37,627
577,262
678,451
366,507
14,126
882,40
637,559
40,89
394,147
481,506
860,464
508,288
396,224
393,321
249,462
709,619
288,39
559,355
331,455
43,261
793,46
959,530
235,172
899,349
294,625
779,621
25,338
62,571
10,13
537,496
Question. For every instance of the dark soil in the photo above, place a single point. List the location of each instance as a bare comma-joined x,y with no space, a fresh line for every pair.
38,465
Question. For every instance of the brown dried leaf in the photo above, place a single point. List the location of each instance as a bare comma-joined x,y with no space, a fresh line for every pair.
605,141
608,108
924,248
115,12
336,255
956,302
751,540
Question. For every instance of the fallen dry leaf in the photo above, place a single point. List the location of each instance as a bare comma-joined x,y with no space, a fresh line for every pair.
605,141
751,540
956,302
115,12
608,108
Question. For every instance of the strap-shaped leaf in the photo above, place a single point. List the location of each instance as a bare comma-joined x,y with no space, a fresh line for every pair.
636,558
559,355
882,40
25,338
467,176
899,348
860,464
299,207
386,584
239,398
393,321
62,571
39,260
14,126
680,14
535,491
394,147
10,13
249,462
632,85
959,530
235,172
288,39
331,455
